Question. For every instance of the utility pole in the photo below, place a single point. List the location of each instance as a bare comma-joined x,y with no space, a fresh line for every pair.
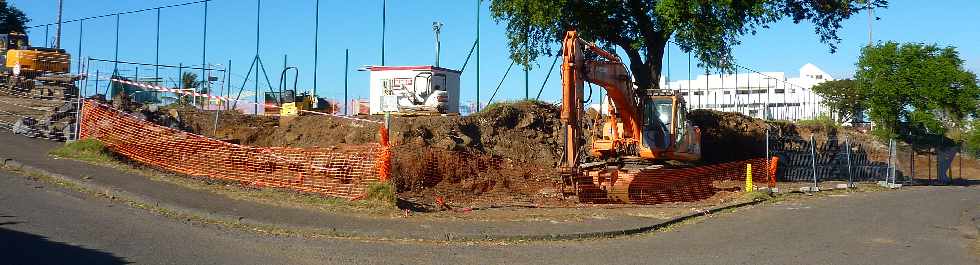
437,28
57,29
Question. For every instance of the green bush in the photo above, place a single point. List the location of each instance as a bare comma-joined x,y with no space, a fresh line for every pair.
91,150
822,120
971,139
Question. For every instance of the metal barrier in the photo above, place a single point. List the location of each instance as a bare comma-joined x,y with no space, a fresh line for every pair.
820,158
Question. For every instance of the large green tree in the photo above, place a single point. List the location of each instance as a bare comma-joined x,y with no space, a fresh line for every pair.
12,20
642,28
842,97
923,85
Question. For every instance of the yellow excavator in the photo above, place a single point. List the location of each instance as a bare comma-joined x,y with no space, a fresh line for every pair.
644,130
35,71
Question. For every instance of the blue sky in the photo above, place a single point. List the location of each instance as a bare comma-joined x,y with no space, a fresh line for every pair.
287,28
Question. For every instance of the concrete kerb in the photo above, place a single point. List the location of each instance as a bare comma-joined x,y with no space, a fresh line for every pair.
448,237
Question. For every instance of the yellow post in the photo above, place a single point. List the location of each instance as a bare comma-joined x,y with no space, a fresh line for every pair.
748,178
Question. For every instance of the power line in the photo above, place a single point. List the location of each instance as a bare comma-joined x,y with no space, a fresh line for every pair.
123,13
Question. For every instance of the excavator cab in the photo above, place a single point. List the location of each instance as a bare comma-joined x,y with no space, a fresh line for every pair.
666,131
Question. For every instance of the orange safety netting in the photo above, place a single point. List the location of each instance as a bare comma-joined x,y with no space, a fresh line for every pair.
655,186
343,172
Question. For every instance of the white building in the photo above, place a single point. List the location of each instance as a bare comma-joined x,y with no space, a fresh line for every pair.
770,95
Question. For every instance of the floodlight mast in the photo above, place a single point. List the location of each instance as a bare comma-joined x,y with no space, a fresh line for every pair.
437,29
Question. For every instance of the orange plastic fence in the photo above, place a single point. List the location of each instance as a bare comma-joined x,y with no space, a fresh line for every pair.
343,172
655,186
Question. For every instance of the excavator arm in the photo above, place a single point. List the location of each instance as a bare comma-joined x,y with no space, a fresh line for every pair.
612,75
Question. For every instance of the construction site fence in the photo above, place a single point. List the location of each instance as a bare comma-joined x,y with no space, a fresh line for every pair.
823,160
343,172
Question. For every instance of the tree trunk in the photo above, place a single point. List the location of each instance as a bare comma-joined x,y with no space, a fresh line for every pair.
646,69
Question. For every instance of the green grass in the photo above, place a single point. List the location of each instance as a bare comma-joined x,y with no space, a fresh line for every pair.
757,196
90,150
383,194
502,103
820,121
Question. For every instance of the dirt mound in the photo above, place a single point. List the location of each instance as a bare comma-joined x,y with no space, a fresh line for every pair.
524,131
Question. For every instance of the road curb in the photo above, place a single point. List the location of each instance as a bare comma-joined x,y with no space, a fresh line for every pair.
615,233
130,197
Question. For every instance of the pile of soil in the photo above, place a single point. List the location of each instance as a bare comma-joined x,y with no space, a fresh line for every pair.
727,136
524,131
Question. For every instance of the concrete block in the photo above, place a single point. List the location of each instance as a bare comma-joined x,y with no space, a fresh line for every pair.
843,186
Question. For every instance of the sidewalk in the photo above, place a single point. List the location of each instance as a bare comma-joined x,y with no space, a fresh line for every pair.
33,154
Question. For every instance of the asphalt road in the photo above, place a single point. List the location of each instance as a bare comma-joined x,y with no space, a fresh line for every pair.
41,224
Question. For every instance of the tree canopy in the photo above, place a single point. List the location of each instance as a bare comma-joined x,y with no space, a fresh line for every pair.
842,97
12,20
642,28
922,85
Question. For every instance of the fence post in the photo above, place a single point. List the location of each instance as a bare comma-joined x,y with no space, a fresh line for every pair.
891,161
768,156
911,176
813,160
850,178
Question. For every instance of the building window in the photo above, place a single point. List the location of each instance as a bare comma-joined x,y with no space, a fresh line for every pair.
727,92
780,91
819,76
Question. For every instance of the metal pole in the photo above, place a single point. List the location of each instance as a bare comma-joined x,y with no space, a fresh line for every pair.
316,45
180,79
346,70
46,30
813,160
689,104
156,74
81,34
78,116
84,88
850,178
478,7
97,81
227,83
911,160
258,24
206,80
115,65
961,160
437,29
57,28
384,23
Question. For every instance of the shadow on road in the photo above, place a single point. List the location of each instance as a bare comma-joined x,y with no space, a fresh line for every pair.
954,182
24,248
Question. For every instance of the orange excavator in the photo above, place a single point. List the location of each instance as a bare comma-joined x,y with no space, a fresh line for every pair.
644,130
